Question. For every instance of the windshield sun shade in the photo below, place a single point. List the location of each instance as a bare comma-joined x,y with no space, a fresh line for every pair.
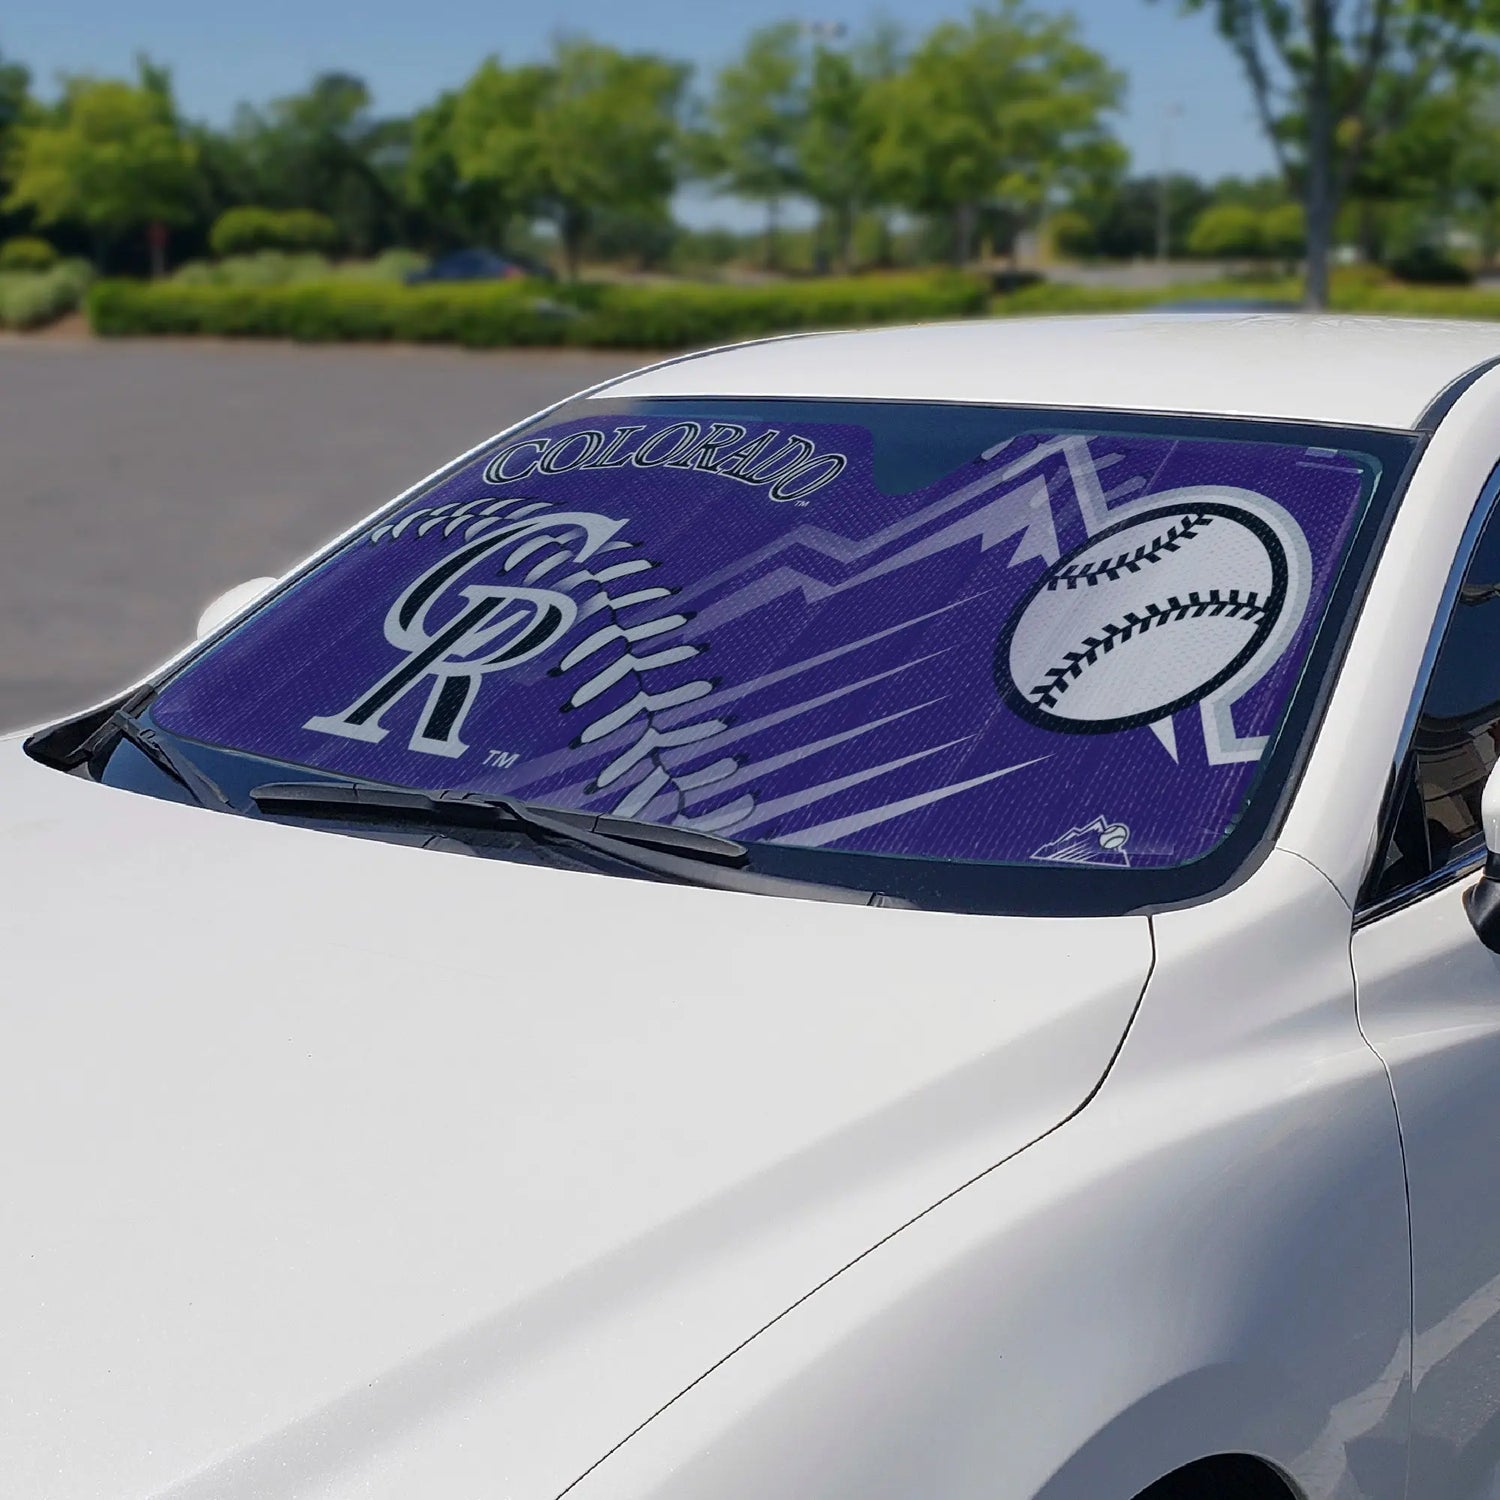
918,632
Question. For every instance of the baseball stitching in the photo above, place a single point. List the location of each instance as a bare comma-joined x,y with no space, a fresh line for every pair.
1111,568
1232,604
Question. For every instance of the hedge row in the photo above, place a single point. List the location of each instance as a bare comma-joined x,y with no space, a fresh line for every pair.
489,315
1353,292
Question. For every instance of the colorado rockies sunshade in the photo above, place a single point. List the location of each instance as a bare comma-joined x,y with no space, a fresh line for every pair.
946,633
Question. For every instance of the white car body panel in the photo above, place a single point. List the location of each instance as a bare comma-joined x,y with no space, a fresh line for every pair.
1373,372
355,1150
350,1170
1211,1257
1429,1001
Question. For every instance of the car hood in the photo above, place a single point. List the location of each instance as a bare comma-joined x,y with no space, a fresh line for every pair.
332,1167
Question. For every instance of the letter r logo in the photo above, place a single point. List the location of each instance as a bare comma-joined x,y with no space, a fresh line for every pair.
497,626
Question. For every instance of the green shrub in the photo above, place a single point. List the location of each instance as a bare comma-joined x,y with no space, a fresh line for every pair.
498,314
390,265
243,231
31,299
27,252
1426,265
1071,233
285,268
262,268
1283,231
1227,229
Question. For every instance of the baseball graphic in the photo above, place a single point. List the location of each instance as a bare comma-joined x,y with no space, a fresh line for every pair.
1146,618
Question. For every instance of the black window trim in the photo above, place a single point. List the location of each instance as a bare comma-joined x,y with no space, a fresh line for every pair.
1469,857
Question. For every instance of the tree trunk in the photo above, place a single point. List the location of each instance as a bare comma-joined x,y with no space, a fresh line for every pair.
845,231
156,242
1319,202
570,231
964,218
1369,232
773,215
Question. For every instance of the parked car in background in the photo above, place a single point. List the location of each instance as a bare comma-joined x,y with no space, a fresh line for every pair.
477,264
897,915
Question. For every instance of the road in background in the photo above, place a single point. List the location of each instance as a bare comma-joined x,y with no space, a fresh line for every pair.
138,480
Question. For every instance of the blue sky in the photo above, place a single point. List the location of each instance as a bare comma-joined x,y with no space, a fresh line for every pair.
222,53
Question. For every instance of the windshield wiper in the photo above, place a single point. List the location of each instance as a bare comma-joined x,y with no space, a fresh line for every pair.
167,760
683,854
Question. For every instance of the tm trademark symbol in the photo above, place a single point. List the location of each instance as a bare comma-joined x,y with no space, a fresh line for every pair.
503,759
803,504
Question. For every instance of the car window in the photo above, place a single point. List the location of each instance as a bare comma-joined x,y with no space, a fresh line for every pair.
1435,822
948,638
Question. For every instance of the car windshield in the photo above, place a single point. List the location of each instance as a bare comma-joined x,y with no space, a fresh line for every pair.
997,651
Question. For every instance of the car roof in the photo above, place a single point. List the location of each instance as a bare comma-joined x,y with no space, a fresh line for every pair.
1374,372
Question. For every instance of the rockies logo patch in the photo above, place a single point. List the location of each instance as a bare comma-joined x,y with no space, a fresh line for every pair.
1146,618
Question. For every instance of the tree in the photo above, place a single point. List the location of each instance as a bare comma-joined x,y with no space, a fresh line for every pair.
834,145
451,209
592,130
1475,165
15,96
325,149
999,111
15,104
111,156
754,121
1125,213
1328,82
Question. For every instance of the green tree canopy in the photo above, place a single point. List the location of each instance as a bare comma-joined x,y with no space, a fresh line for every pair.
15,104
754,120
323,149
110,156
1001,109
15,94
592,130
1330,82
451,209
835,145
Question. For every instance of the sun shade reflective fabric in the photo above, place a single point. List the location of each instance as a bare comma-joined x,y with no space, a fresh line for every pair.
1070,647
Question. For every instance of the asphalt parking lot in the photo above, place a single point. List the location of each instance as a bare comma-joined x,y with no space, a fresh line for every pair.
141,479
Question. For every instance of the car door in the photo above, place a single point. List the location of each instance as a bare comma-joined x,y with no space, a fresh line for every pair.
1429,1003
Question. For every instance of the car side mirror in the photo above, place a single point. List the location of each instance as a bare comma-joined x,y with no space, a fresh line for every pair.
228,604
1483,900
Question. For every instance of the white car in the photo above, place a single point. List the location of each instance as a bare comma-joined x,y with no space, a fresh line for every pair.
876,916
